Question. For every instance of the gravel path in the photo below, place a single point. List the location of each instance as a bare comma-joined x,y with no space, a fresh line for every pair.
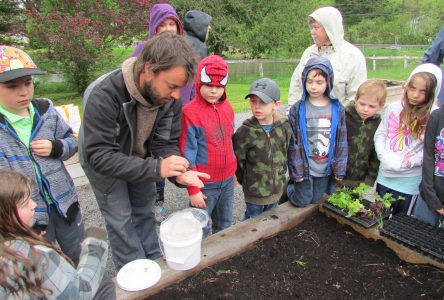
175,198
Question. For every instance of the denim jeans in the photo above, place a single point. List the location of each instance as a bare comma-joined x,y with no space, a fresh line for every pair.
309,191
421,211
219,205
128,212
399,206
254,210
160,185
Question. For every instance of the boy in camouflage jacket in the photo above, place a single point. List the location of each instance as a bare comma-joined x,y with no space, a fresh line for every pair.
362,119
261,146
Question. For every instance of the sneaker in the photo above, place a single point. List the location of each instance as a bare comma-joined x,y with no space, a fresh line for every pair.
159,212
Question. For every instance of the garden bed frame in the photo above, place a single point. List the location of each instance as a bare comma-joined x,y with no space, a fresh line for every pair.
241,237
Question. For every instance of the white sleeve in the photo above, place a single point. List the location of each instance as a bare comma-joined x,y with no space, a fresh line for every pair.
381,134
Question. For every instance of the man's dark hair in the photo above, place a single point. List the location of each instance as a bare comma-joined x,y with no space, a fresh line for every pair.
166,50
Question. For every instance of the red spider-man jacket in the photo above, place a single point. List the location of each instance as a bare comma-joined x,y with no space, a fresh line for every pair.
207,130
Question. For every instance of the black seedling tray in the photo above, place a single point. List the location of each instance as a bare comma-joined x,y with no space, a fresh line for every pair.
362,221
415,234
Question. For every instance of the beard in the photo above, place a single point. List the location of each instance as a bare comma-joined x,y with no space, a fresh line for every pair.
152,96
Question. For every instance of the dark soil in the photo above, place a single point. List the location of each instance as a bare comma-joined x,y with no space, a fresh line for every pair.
318,259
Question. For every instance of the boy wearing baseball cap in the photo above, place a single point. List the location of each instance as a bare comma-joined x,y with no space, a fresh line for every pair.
261,146
34,140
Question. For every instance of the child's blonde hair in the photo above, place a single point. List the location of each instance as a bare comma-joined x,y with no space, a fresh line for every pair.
415,117
374,87
27,272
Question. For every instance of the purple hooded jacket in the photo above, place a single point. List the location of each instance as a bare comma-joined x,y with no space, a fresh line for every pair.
158,13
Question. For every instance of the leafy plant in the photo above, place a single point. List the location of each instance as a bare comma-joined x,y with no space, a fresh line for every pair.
350,200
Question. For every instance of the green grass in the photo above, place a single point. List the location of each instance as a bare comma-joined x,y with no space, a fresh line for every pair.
61,93
394,52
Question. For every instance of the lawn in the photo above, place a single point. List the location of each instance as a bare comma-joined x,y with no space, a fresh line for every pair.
60,93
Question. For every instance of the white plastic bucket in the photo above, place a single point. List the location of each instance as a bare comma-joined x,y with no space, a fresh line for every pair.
181,237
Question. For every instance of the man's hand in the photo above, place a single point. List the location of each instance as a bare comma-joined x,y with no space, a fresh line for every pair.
192,178
41,147
173,166
440,211
198,200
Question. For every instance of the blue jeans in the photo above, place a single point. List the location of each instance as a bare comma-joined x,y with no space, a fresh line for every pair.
160,185
309,191
399,206
254,210
421,211
128,212
219,205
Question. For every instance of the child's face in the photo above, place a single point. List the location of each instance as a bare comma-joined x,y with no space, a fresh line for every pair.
15,95
318,34
169,24
26,209
210,93
316,84
262,111
368,105
416,91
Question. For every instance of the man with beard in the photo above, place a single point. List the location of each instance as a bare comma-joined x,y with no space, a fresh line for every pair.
128,141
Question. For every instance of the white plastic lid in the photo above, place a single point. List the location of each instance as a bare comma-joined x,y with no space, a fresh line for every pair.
138,275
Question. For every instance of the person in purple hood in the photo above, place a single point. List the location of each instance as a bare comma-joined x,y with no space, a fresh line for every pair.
163,17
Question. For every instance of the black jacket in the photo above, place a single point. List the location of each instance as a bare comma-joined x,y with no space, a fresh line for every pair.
432,184
108,130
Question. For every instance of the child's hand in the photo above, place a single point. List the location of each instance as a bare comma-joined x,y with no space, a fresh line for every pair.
41,147
337,178
440,211
198,200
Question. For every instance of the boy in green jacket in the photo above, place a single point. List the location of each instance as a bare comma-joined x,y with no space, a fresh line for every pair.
362,119
261,146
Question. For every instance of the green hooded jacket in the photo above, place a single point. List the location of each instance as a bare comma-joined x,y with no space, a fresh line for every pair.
363,163
262,159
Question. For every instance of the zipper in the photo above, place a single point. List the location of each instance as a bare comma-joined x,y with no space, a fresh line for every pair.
41,180
222,138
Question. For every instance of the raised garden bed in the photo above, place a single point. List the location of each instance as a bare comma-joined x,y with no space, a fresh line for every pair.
416,235
318,259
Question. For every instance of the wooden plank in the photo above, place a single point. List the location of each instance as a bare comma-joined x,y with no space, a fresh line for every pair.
234,240
403,252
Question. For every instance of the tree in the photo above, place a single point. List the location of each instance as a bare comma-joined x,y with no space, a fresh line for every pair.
11,22
80,34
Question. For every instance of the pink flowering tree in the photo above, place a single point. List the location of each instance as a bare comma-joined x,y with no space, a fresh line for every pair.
79,35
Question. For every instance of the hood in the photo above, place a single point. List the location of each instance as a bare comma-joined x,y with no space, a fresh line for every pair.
323,64
350,109
212,70
432,69
160,12
331,19
278,121
196,23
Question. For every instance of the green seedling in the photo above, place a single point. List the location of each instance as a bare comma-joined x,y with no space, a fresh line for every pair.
299,262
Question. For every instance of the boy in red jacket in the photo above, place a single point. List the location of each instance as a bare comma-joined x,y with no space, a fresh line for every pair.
206,142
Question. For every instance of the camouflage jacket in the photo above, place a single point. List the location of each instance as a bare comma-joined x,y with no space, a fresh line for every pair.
262,159
362,164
